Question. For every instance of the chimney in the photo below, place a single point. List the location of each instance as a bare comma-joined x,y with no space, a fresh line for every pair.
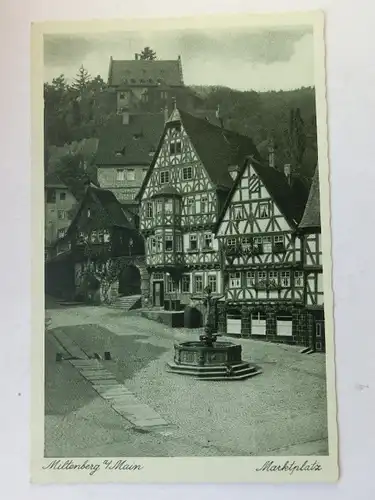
271,154
125,117
288,171
233,171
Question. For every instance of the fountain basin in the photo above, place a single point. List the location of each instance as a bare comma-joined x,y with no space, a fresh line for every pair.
220,361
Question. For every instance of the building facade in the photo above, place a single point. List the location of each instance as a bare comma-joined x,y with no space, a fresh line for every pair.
143,85
310,228
126,147
58,202
105,249
262,256
181,199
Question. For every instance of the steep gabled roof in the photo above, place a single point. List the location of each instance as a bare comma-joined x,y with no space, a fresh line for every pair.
216,147
311,215
111,206
130,144
140,72
289,198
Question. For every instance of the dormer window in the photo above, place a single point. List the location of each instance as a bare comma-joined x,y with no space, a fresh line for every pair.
120,175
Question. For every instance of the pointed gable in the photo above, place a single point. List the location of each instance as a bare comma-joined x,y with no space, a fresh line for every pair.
289,198
311,215
216,148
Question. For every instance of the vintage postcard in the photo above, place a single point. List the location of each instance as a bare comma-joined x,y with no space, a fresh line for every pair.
184,328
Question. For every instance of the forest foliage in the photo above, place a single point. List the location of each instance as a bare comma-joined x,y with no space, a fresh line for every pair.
79,110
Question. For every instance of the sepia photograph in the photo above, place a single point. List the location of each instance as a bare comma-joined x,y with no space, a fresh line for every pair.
188,308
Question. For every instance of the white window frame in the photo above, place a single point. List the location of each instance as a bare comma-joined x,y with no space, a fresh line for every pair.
267,244
130,174
204,204
190,206
193,237
199,277
237,212
298,279
149,210
231,242
187,173
235,280
120,174
61,214
207,237
168,237
212,278
285,279
262,278
258,243
280,238
164,176
159,207
62,195
264,205
250,279
273,278
168,203
186,279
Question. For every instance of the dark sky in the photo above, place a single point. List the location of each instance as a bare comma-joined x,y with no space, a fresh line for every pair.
259,59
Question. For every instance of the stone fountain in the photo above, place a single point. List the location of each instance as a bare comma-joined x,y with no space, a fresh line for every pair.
209,358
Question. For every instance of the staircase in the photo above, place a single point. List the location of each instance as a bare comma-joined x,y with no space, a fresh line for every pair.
127,303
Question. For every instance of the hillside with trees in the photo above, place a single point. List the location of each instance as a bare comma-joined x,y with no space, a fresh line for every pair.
77,111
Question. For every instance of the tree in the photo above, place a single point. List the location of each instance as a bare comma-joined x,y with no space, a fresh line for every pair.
82,80
297,138
147,54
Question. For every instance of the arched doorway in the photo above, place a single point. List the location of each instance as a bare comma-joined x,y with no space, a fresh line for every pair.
129,281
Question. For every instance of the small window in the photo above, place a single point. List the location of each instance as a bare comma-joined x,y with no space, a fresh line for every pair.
190,206
164,177
231,242
278,242
61,214
298,279
264,211
187,173
193,242
178,243
175,148
198,283
246,242
207,241
235,280
159,207
186,283
168,243
149,210
61,233
204,204
168,206
267,244
258,244
153,244
285,279
262,278
212,282
130,174
237,212
158,243
250,278
120,175
62,196
273,278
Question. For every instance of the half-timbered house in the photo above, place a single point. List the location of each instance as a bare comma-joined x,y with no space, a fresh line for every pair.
181,198
310,228
261,255
102,243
